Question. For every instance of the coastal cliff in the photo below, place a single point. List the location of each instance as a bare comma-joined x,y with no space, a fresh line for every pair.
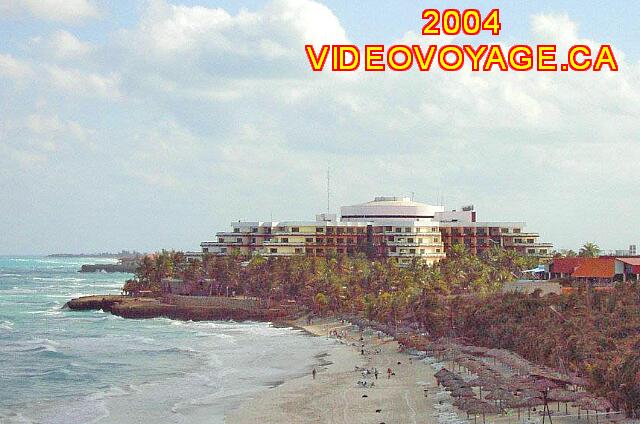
186,308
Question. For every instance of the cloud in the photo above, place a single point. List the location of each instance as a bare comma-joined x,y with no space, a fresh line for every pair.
82,83
68,11
14,68
65,45
212,42
223,114
51,126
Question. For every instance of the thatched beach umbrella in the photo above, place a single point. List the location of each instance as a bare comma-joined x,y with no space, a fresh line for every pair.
564,396
578,381
500,395
484,383
591,403
476,406
543,385
525,402
462,392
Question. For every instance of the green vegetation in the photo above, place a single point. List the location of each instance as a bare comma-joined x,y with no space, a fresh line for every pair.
590,332
594,333
589,250
338,284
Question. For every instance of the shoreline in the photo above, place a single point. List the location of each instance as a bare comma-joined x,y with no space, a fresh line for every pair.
335,395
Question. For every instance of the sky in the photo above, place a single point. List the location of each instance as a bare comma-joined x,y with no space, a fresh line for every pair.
152,124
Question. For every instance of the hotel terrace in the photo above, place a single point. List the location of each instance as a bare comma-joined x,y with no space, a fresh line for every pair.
390,227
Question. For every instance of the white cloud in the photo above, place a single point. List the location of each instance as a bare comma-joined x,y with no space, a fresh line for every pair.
78,82
221,43
51,126
223,108
68,11
14,68
65,45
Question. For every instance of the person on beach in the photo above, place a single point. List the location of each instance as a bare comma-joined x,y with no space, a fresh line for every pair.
388,373
313,373
375,372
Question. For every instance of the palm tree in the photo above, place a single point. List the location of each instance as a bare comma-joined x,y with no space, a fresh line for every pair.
589,250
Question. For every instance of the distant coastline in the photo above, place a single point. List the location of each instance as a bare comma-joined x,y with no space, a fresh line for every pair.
110,255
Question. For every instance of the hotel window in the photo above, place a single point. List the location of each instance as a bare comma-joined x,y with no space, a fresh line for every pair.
319,230
437,250
341,241
360,230
543,251
398,230
388,228
505,230
319,250
392,249
340,250
409,240
295,229
349,230
390,238
422,251
273,250
254,229
531,251
220,239
518,240
205,250
298,250
239,240
530,241
308,240
481,241
223,250
284,240
407,229
420,240
236,230
413,251
517,230
436,240
253,239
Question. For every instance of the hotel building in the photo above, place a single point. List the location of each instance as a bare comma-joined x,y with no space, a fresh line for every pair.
461,227
387,227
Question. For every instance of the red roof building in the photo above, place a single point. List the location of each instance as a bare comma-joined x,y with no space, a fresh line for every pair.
596,268
631,265
602,268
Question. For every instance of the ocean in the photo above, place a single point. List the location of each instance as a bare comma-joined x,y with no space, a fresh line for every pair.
60,366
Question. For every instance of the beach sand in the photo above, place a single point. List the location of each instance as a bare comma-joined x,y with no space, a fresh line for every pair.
335,397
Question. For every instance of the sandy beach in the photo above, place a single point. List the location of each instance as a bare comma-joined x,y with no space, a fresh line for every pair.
335,396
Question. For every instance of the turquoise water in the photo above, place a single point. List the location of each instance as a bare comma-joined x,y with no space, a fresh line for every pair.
60,366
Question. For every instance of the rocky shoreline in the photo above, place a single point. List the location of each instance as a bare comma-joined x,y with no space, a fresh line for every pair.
167,307
126,268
